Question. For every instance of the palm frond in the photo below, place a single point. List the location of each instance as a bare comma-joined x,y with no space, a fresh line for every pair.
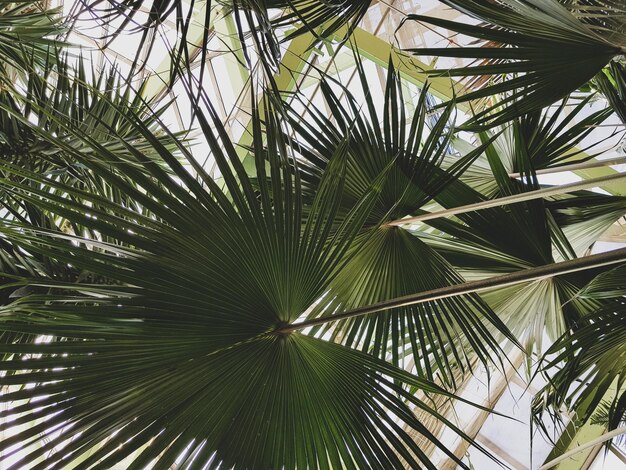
388,262
612,84
608,284
257,20
29,34
309,16
95,102
505,239
95,105
553,137
607,415
547,49
584,216
591,358
548,139
179,356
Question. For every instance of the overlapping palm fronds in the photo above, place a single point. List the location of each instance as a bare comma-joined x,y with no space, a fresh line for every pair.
95,104
152,314
585,364
309,16
504,239
546,48
389,261
56,97
178,352
29,35
94,101
258,19
548,139
612,84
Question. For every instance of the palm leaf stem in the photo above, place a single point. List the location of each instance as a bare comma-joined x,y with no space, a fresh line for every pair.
515,198
575,166
517,277
603,438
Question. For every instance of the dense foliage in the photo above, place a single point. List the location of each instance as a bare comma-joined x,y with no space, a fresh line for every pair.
313,299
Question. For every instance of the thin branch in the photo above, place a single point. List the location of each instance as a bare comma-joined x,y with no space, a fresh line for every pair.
586,445
502,201
576,166
518,277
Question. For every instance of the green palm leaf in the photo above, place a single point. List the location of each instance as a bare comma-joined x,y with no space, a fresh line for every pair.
612,83
94,102
606,285
255,19
584,216
505,239
552,138
547,139
28,35
388,262
547,49
497,241
58,97
309,16
587,361
95,105
180,354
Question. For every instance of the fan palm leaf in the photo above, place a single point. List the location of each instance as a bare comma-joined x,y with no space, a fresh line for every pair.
506,239
97,106
95,101
547,49
308,16
551,138
388,262
584,216
180,355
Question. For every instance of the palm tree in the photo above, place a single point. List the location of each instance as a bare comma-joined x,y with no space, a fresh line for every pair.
296,313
